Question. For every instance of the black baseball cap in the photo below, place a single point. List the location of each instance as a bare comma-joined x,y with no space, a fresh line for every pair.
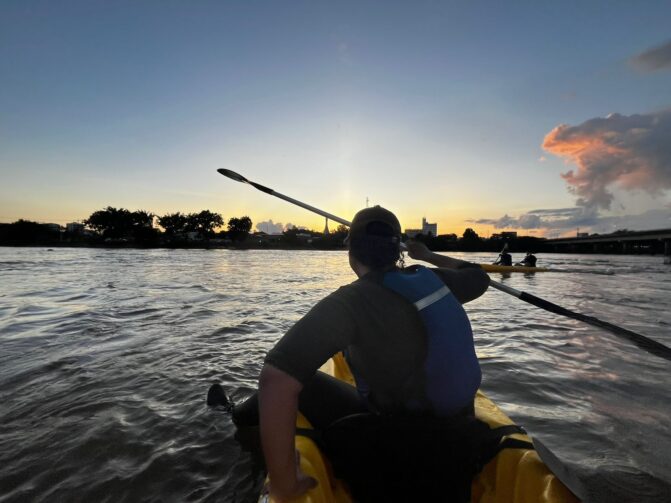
363,224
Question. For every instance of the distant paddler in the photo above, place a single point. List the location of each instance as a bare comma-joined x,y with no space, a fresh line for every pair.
528,261
504,257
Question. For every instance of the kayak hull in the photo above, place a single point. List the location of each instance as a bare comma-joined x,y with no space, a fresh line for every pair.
513,476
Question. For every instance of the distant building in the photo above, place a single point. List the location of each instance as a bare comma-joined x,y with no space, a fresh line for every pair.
429,228
74,228
53,227
582,234
426,229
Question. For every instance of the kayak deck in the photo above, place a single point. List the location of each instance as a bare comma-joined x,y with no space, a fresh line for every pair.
513,476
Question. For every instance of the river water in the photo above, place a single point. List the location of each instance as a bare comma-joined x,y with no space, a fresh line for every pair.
106,357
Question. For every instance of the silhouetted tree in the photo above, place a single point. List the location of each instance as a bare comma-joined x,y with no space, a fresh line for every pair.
530,243
113,223
174,224
204,223
444,242
290,235
341,229
142,219
470,234
142,227
470,240
238,228
26,232
110,223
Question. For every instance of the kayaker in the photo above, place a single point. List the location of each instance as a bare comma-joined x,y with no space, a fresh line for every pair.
529,260
406,338
504,257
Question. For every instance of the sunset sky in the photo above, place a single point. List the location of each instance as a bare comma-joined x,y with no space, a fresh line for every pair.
531,116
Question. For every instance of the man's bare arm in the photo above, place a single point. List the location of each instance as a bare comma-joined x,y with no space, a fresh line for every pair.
419,251
278,406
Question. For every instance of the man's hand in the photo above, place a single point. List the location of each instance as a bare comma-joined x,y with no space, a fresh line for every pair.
302,484
417,250
278,404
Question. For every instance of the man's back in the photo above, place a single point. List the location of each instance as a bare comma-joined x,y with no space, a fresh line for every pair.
382,332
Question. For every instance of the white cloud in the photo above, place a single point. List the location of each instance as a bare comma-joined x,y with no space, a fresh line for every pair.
270,227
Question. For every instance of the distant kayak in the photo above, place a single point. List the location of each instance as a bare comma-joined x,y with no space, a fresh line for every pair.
515,475
513,268
525,269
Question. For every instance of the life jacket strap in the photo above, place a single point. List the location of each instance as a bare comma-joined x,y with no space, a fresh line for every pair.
496,439
432,298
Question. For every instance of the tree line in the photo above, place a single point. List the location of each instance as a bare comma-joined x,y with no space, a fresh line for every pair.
119,226
471,241
115,224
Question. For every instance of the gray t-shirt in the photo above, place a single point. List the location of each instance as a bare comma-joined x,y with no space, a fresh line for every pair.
382,330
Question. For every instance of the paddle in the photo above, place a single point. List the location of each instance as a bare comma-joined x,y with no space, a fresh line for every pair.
561,471
643,342
239,178
527,269
498,260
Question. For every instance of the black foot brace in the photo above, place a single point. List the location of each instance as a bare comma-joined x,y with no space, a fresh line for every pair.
217,396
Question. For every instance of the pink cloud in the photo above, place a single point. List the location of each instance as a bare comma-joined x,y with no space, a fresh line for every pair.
630,152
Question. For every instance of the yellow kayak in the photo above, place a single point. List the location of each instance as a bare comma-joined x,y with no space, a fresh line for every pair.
512,268
513,476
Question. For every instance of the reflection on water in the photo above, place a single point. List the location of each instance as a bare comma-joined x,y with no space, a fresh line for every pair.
106,356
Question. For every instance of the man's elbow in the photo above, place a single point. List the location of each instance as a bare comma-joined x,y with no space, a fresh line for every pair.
485,281
481,281
273,380
478,283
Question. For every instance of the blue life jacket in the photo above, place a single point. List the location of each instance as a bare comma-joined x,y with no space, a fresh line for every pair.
451,369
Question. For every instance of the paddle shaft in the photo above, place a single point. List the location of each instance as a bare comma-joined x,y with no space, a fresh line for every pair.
643,342
239,178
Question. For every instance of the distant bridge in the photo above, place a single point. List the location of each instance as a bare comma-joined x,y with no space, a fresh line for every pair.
649,242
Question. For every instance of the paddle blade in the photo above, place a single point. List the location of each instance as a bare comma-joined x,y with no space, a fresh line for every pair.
233,175
561,471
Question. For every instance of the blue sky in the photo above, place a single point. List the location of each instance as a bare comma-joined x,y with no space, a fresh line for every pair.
435,109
